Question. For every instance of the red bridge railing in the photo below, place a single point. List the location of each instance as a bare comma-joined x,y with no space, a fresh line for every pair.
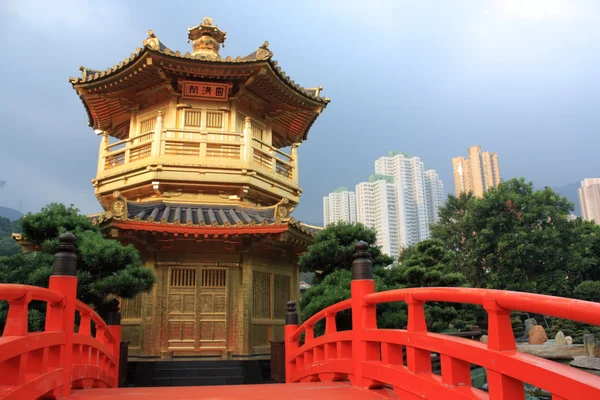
49,364
373,358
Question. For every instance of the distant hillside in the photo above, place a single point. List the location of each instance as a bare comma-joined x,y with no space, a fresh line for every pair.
10,213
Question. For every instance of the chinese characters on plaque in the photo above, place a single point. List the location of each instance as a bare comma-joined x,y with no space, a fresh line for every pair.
205,90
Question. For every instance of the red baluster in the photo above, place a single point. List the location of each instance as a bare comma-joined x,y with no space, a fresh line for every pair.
501,338
418,360
17,321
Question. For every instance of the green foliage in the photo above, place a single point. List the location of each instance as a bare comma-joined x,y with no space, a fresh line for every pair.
515,238
105,268
421,265
425,265
52,220
588,290
333,289
333,249
8,246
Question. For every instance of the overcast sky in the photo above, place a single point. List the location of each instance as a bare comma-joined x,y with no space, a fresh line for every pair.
427,77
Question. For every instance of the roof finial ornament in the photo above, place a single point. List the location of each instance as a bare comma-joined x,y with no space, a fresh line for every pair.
263,52
207,40
151,41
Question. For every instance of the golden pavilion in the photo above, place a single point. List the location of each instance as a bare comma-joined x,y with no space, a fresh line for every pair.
198,169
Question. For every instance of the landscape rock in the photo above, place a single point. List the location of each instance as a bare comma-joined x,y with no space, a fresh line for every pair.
537,335
483,339
569,340
529,323
560,338
586,362
589,343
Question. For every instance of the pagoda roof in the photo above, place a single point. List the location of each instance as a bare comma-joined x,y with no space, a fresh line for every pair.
108,95
204,219
201,215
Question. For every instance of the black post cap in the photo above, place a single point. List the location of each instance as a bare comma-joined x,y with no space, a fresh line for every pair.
362,267
65,260
291,317
113,316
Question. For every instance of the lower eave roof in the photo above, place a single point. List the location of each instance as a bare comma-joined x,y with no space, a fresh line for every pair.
203,220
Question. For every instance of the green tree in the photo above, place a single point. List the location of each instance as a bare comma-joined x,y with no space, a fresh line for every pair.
421,265
331,258
333,249
426,265
452,230
105,268
334,288
516,238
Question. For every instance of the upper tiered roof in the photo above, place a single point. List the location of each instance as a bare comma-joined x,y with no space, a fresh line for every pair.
154,70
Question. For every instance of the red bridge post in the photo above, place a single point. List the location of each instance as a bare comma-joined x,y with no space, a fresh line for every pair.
291,324
363,315
113,322
64,281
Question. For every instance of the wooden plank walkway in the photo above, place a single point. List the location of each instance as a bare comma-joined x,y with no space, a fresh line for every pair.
291,391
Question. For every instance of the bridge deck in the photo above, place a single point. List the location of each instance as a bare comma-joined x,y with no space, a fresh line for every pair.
292,391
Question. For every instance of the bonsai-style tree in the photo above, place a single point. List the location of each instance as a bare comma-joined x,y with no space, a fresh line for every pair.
105,268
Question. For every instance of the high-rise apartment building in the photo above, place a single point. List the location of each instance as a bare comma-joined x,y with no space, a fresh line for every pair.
376,206
339,206
589,199
400,201
435,194
418,194
476,174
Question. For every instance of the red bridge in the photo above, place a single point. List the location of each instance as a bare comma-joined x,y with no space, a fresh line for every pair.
365,362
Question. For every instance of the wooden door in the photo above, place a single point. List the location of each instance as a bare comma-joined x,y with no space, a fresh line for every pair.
212,309
181,309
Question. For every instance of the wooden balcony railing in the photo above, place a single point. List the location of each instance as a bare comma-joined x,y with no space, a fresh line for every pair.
401,358
197,147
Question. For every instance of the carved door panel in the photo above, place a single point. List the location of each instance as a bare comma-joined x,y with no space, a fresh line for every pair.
212,310
181,319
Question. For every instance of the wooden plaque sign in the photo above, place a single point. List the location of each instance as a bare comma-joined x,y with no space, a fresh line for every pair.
205,90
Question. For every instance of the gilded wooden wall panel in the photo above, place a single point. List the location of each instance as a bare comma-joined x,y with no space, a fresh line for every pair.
131,334
182,308
261,294
260,335
131,308
281,295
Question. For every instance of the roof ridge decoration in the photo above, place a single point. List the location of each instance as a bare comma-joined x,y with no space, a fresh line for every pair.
207,39
151,41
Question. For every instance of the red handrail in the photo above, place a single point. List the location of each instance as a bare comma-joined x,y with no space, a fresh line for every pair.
88,315
401,358
326,312
572,309
13,292
52,362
